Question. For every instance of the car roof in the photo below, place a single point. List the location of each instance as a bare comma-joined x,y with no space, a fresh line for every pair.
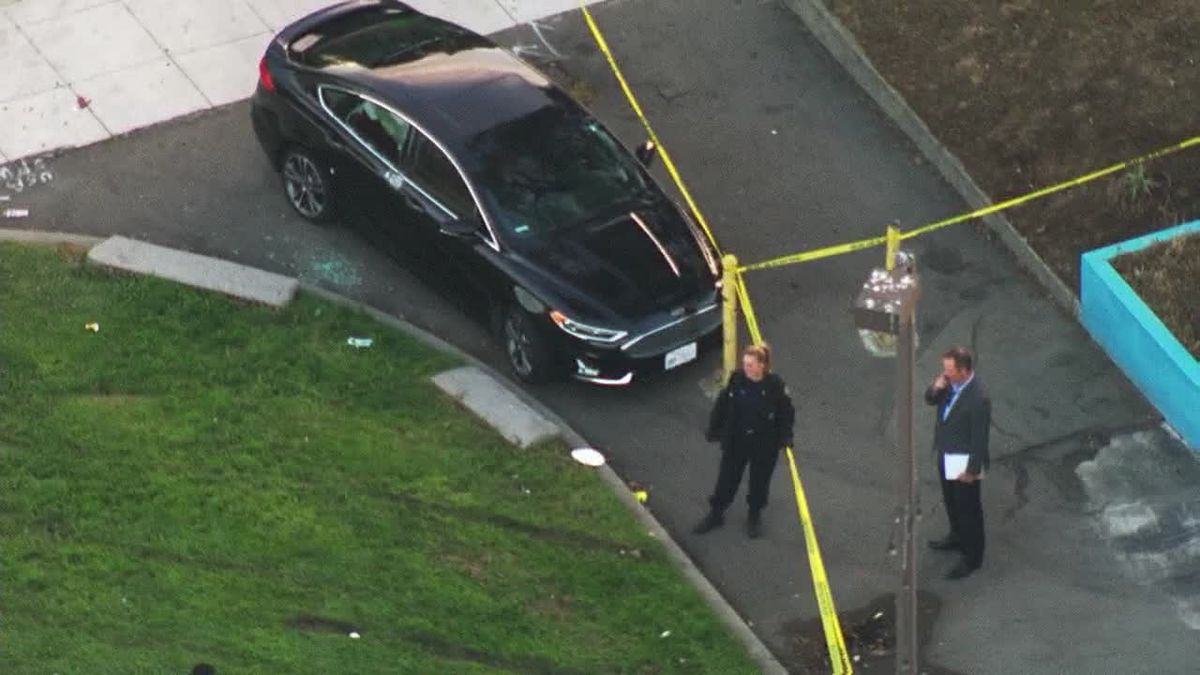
454,82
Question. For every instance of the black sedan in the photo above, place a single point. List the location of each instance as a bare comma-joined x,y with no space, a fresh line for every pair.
445,143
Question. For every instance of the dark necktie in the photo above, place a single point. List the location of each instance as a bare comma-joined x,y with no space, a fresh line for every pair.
945,409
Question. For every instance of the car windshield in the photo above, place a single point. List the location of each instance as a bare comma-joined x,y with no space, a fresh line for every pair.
553,169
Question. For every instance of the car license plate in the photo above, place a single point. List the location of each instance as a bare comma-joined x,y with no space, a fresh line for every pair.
680,356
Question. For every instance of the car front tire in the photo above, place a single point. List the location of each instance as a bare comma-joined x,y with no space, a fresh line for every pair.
306,184
529,353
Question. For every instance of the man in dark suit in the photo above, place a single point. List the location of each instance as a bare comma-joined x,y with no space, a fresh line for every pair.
964,418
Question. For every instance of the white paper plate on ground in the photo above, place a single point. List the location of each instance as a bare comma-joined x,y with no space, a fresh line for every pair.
588,456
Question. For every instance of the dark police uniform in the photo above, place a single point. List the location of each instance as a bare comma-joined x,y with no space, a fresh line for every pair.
753,421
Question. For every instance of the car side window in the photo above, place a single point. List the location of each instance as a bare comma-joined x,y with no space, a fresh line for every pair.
433,171
379,128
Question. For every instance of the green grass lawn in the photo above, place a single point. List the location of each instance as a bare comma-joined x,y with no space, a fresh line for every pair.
203,480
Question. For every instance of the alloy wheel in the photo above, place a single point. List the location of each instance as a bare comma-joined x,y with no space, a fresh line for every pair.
518,346
305,186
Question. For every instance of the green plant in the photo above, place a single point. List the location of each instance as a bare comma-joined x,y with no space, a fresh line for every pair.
1137,184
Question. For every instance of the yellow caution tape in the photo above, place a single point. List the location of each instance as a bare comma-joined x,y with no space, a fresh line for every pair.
1058,187
834,640
637,110
815,254
828,251
748,311
833,631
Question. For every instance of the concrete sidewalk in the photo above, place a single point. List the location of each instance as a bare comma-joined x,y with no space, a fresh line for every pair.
73,72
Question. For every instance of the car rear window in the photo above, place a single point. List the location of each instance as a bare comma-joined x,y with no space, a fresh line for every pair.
372,37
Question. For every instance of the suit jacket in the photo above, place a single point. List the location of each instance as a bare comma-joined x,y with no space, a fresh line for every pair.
966,428
777,407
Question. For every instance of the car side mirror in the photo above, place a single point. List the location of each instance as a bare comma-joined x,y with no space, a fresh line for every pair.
646,153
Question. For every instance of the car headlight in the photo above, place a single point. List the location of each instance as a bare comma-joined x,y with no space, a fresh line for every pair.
584,331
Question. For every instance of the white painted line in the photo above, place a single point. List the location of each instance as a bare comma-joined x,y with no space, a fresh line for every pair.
92,42
142,95
46,121
188,26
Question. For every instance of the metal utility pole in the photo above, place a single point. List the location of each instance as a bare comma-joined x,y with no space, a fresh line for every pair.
885,314
906,600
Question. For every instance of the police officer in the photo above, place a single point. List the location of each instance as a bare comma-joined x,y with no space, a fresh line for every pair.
752,418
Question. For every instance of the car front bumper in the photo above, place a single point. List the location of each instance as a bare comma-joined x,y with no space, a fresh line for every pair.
643,355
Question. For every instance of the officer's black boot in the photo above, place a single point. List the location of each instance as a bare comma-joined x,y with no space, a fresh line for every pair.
754,524
712,521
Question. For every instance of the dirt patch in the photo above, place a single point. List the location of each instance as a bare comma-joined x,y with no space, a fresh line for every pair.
437,645
870,634
112,400
318,624
563,536
1028,93
1167,278
70,253
475,568
557,607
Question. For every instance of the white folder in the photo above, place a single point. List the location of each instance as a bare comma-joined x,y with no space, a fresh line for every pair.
953,465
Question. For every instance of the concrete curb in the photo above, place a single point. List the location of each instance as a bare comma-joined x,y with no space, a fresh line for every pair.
840,43
495,404
758,652
198,271
48,238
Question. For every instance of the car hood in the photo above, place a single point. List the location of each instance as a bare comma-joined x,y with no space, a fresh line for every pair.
640,261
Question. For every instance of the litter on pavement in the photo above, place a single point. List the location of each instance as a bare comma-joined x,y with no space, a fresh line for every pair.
640,493
588,456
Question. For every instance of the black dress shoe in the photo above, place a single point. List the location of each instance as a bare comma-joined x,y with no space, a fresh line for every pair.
961,570
711,522
947,544
754,526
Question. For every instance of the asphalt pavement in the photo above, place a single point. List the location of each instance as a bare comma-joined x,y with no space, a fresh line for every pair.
784,153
